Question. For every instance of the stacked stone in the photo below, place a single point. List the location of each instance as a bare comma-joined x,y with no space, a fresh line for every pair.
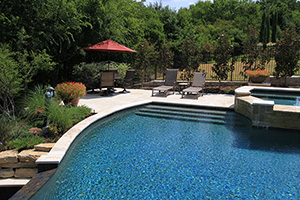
22,165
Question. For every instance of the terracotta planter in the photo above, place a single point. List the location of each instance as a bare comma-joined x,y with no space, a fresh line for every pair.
73,102
258,79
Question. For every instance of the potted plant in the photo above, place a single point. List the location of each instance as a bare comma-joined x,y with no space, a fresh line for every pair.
70,92
258,75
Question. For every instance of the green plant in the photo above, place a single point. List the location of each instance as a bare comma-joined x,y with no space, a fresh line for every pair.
222,55
70,90
35,107
287,53
8,130
58,115
51,131
79,113
190,58
145,60
122,68
10,82
25,140
89,73
256,73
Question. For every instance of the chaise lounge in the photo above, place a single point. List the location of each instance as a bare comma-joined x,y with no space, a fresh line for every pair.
170,82
198,85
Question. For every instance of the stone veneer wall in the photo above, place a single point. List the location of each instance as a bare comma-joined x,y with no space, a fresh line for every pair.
291,81
264,113
21,165
282,118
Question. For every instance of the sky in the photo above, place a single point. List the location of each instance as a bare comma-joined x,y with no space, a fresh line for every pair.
174,4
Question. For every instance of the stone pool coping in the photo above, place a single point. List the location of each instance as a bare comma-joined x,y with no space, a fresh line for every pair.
13,182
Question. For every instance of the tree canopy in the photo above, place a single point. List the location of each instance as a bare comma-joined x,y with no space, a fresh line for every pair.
61,28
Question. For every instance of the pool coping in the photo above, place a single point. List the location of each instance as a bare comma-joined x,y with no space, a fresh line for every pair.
55,156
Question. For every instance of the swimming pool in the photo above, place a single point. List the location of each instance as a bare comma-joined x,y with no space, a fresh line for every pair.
217,155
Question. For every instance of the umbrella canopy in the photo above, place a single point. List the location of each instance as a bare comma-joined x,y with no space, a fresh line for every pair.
109,46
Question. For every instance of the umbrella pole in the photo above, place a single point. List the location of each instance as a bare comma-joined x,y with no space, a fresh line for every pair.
107,60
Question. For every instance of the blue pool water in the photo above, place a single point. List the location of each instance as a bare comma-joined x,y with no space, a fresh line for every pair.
129,156
282,101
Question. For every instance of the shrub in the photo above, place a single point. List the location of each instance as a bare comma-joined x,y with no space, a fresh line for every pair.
25,140
89,74
79,113
8,130
70,90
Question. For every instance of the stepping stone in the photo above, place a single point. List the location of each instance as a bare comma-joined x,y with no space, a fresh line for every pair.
9,157
30,155
46,147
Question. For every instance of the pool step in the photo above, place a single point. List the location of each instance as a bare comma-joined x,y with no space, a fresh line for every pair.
184,113
187,118
190,110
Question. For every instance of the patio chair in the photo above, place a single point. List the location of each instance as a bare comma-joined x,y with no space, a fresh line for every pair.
107,81
170,82
128,79
197,86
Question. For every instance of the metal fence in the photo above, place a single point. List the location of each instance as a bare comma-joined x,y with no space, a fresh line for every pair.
238,68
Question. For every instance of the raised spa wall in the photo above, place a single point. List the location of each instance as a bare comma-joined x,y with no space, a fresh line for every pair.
265,113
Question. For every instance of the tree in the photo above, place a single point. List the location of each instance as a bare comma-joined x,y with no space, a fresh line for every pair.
287,53
10,82
165,57
265,28
145,60
251,51
190,58
222,56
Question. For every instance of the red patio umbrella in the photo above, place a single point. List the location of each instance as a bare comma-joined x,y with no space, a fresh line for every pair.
109,46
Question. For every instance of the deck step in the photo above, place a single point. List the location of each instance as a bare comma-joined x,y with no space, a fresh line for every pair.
178,117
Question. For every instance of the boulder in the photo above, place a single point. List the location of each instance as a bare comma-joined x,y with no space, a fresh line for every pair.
9,157
30,156
44,147
26,172
6,173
